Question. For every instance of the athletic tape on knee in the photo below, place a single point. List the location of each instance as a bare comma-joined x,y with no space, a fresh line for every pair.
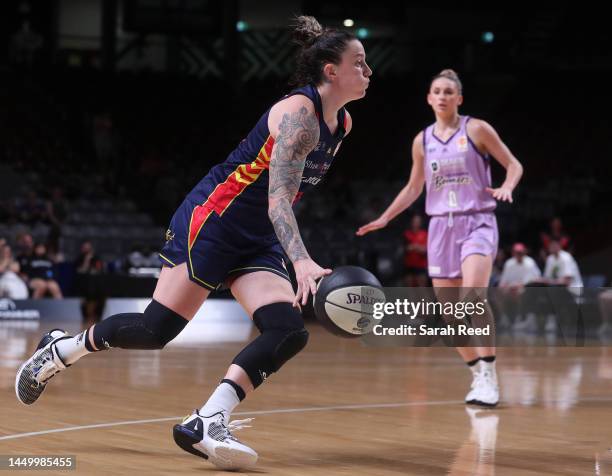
153,329
282,337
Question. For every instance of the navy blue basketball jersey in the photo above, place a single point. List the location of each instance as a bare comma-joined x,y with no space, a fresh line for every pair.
237,189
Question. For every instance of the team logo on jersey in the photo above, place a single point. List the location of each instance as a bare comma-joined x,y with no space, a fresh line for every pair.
169,234
435,166
441,181
462,144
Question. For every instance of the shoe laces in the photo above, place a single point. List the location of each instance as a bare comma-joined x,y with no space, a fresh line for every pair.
235,425
46,370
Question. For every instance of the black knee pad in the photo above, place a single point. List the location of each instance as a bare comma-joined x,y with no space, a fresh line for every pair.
282,337
153,329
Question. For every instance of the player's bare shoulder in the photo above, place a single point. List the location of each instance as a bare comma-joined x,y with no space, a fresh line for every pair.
417,146
297,107
478,128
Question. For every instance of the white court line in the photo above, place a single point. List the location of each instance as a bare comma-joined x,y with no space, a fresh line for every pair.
281,410
258,412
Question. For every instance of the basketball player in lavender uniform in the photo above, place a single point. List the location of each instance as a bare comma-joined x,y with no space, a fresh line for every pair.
451,158
237,227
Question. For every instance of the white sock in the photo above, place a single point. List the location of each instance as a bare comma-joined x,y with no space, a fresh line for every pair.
224,399
71,350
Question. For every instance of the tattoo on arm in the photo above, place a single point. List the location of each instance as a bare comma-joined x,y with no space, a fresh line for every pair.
298,135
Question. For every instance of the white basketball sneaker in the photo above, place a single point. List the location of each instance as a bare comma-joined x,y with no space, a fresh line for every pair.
211,438
34,373
471,396
484,390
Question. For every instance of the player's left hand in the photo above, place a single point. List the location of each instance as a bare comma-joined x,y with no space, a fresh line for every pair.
502,194
306,274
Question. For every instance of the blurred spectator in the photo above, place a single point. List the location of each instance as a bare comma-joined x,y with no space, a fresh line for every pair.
11,285
57,210
38,270
25,246
555,232
107,145
561,270
498,266
415,256
605,307
31,209
518,270
88,262
57,207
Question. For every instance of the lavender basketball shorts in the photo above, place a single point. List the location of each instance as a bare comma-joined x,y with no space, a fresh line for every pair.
450,241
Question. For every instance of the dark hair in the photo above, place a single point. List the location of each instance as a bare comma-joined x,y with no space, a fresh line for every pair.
318,46
449,74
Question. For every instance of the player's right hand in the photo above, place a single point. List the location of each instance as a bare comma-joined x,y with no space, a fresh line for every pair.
306,274
373,225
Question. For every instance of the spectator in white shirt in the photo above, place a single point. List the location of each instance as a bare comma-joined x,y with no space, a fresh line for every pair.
11,285
561,268
517,272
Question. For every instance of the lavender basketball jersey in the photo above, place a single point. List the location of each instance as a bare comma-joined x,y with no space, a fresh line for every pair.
456,174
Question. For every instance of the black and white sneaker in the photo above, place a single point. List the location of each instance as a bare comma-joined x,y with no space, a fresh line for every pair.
211,438
34,373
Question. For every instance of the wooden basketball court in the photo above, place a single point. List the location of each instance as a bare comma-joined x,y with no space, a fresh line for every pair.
339,408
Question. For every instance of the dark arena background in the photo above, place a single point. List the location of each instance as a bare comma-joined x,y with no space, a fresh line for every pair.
112,111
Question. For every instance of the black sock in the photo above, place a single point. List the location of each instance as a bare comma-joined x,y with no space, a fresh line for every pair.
471,363
239,391
88,345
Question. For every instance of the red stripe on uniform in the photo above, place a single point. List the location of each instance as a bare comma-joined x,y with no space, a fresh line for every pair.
225,193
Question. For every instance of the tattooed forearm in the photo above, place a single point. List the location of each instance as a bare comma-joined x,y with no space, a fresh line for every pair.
298,134
286,228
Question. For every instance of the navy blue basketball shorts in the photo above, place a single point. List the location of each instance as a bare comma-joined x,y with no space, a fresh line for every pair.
216,252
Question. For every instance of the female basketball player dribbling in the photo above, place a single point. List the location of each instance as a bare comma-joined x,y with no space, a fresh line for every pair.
451,157
237,227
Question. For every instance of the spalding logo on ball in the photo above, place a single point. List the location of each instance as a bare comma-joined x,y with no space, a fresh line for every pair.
345,300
